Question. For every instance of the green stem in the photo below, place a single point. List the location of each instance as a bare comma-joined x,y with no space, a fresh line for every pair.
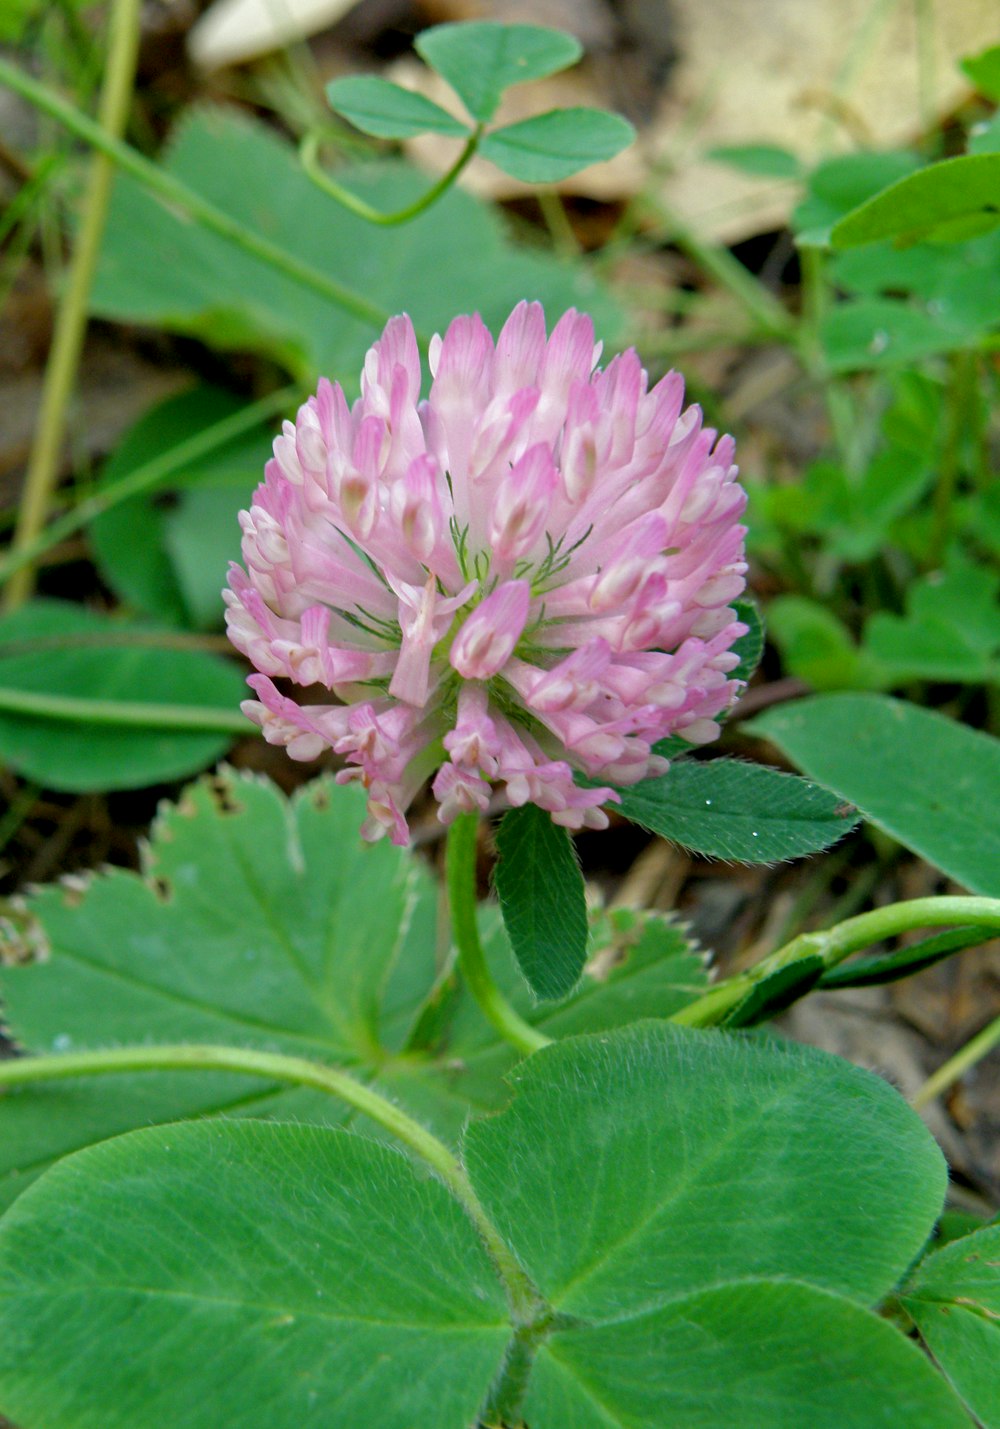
973,1051
815,302
838,943
28,193
71,318
729,273
17,811
460,869
148,476
943,501
130,713
22,1071
309,158
177,195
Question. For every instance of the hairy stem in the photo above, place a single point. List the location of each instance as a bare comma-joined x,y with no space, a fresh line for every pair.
71,318
835,944
22,1071
460,866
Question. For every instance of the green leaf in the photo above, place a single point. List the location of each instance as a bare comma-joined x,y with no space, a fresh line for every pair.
954,1298
322,947
664,1192
170,561
241,1273
762,161
540,888
922,204
951,630
481,59
57,648
376,106
749,647
456,257
838,185
985,138
984,71
875,333
904,962
551,146
929,782
776,992
307,953
757,1354
742,812
655,1162
639,965
815,645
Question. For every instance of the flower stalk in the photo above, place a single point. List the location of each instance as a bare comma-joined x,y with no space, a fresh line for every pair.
460,875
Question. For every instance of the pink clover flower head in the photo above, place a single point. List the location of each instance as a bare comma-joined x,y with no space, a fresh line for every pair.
523,577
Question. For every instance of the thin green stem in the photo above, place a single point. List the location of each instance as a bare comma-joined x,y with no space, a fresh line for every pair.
815,303
837,943
22,1071
148,476
17,811
28,194
943,501
133,714
71,318
460,870
309,158
974,1051
178,196
729,273
553,210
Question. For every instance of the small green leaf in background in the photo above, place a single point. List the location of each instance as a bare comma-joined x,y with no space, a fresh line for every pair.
954,1298
933,203
763,161
931,783
984,138
875,333
57,648
376,106
551,146
816,646
951,630
481,59
540,888
837,186
170,561
984,71
742,812
236,1274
